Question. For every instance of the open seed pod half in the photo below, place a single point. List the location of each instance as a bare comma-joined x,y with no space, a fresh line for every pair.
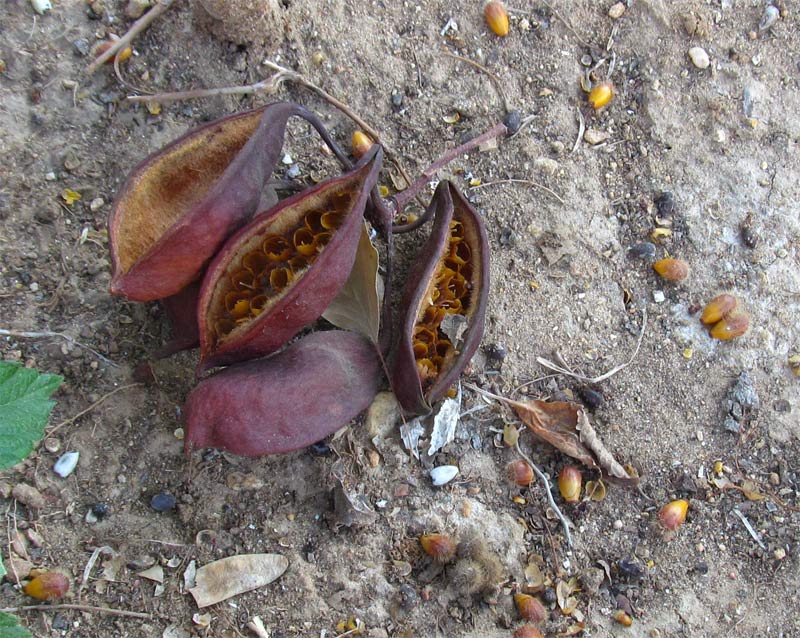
287,401
180,204
444,302
280,272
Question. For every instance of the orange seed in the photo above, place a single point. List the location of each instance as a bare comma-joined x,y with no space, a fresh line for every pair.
496,17
601,95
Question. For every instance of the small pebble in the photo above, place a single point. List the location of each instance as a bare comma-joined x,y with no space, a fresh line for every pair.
770,17
618,524
136,8
163,502
96,204
443,474
658,296
779,553
397,99
643,250
616,11
34,287
82,46
513,121
595,136
287,159
28,495
496,351
592,399
293,171
547,165
774,478
699,57
66,464
52,444
50,176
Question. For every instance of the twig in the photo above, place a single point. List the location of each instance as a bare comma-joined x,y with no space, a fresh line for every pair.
102,610
565,522
270,85
581,130
72,419
403,197
136,28
17,334
527,182
496,80
756,536
554,366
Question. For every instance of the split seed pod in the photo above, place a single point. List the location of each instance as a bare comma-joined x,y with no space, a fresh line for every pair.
285,402
444,302
180,204
727,321
281,271
440,547
47,586
530,608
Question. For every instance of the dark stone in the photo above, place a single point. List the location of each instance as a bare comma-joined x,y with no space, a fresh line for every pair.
643,250
100,510
163,502
592,399
513,120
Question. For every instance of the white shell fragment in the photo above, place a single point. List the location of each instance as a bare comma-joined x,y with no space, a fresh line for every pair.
235,575
66,464
699,57
443,474
41,6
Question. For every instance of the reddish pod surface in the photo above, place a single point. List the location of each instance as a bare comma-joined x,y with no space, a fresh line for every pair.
444,303
180,204
287,401
281,271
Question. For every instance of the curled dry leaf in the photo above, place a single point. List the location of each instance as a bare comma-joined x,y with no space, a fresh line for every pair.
235,575
565,426
287,401
450,277
280,272
357,307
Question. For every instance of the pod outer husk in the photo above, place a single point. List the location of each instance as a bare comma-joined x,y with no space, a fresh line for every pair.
181,310
287,401
307,297
450,206
180,204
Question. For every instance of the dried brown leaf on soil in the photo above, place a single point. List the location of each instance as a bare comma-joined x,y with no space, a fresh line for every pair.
235,575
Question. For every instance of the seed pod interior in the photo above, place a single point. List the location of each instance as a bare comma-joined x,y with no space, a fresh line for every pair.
282,270
445,302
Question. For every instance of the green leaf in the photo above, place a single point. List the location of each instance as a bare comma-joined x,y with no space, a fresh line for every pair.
25,406
9,627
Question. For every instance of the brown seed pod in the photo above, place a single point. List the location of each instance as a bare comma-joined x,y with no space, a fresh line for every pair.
47,586
530,608
673,514
570,481
672,269
444,302
440,547
287,401
732,325
496,17
281,271
601,94
519,472
528,631
717,308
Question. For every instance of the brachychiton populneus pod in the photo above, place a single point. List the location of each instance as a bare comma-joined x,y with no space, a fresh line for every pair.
281,271
287,401
444,302
180,204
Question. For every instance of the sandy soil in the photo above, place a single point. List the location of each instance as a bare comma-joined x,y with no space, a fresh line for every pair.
723,141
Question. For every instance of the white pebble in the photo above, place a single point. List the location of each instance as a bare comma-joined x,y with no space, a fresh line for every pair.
699,57
66,464
616,10
658,296
443,474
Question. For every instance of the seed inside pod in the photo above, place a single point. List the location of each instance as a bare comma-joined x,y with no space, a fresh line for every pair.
496,17
672,269
732,325
47,586
519,472
673,514
440,547
530,608
601,95
281,271
570,481
717,308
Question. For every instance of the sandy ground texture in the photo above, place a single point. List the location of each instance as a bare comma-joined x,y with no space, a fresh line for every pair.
702,162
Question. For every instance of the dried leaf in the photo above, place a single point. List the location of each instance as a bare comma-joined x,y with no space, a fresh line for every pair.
235,575
351,508
357,307
565,426
154,573
750,490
